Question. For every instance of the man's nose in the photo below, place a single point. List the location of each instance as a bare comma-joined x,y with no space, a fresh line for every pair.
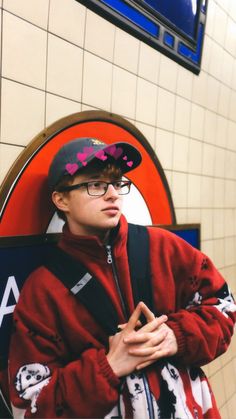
111,192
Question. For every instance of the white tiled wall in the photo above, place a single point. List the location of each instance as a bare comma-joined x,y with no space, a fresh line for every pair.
58,58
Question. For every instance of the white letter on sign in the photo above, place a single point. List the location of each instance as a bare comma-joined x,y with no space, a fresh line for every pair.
4,308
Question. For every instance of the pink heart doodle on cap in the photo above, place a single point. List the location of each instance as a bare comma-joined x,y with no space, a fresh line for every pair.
71,168
88,150
130,163
125,158
101,155
84,163
82,156
114,151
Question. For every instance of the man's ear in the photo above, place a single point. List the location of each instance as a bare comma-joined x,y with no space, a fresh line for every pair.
60,200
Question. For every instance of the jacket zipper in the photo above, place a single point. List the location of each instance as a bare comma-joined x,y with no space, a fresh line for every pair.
110,261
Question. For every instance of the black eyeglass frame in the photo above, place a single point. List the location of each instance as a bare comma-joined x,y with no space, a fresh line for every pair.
124,183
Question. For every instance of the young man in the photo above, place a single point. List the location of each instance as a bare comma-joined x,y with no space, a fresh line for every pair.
63,363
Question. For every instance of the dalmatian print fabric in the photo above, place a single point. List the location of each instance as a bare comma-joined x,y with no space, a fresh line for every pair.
30,380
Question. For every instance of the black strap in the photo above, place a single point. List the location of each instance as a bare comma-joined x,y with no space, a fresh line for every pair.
86,288
91,293
139,264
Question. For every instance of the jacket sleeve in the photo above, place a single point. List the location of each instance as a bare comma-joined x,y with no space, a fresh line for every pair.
46,381
200,307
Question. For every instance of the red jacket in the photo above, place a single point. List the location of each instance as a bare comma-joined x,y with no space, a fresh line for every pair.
58,364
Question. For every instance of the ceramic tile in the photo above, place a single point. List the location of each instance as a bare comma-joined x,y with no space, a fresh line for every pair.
215,62
227,68
197,121
210,124
220,25
206,53
148,131
229,381
221,131
219,193
229,251
8,155
164,148
210,18
182,116
206,192
218,223
180,155
149,62
184,83
194,191
58,107
168,73
224,100
206,224
179,189
218,389
219,164
231,164
212,93
230,38
24,51
67,20
64,75
219,252
232,105
199,88
99,36
124,86
97,82
195,157
165,109
230,193
231,135
126,51
233,80
229,218
25,107
181,215
193,215
146,104
33,11
207,249
208,159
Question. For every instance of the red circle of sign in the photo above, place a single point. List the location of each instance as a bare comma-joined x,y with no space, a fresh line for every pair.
29,209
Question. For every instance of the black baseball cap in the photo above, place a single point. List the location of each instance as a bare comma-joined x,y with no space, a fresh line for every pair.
79,152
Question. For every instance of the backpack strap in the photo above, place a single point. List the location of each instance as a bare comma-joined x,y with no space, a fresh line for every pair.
84,286
89,290
139,264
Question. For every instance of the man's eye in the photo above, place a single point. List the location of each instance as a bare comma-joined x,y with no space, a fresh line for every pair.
96,185
118,184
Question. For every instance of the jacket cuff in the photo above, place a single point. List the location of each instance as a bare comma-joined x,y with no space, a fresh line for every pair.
106,369
180,337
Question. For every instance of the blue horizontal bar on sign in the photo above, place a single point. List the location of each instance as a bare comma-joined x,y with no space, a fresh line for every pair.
191,55
169,39
134,16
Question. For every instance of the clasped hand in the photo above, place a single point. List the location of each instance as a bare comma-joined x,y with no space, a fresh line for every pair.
135,346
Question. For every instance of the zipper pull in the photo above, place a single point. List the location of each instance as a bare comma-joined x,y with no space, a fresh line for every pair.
109,255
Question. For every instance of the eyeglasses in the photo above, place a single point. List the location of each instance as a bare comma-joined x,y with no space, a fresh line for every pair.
99,188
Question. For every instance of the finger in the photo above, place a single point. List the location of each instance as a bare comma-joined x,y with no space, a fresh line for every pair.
147,328
153,358
147,313
123,326
152,339
130,326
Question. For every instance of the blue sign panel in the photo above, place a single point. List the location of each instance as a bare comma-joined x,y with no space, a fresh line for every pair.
175,28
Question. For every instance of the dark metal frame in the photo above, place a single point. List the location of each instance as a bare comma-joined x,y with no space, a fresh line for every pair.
164,29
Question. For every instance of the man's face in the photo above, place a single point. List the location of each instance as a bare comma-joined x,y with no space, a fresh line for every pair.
90,215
